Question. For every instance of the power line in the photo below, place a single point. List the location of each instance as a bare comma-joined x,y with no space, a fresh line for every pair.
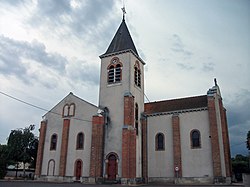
46,110
146,97
23,101
38,107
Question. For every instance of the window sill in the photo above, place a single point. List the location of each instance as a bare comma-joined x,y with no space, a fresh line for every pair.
114,84
160,150
196,147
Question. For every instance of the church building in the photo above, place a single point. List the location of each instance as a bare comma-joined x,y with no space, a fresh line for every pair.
125,140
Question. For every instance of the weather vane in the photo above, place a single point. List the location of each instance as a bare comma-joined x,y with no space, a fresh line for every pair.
123,10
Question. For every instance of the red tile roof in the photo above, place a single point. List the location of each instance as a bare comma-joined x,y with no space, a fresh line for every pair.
176,104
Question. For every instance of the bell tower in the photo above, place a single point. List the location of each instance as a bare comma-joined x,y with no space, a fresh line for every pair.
122,94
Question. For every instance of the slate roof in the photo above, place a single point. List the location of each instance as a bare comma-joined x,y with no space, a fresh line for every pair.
176,104
121,41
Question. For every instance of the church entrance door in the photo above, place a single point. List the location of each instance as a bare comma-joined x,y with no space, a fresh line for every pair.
78,169
112,167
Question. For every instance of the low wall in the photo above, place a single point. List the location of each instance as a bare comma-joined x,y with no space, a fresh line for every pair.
246,179
182,180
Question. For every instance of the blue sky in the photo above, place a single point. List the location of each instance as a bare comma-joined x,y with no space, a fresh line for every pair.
50,48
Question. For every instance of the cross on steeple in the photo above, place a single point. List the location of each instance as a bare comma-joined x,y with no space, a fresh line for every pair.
123,11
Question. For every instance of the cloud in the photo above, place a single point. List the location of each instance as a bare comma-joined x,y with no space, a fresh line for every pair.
13,2
185,66
81,71
209,66
89,21
179,47
53,9
31,63
239,120
14,54
238,107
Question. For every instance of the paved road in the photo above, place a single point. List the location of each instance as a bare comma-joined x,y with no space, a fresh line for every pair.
43,184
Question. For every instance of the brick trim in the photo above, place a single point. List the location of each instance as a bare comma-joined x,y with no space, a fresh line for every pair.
129,139
129,113
214,137
226,145
97,147
64,147
40,150
177,144
144,149
128,153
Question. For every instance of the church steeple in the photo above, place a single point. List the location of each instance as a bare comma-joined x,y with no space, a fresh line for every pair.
122,41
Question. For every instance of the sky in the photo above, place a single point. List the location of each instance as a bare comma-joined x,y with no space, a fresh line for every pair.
49,48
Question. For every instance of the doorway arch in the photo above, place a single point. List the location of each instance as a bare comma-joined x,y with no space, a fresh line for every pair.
112,166
78,169
51,167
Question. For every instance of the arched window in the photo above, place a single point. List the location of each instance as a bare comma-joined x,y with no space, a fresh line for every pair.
195,139
72,109
136,117
111,74
114,71
65,110
53,142
137,74
118,73
159,142
80,141
69,110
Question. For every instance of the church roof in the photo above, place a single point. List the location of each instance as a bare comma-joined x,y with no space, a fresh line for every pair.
121,41
176,104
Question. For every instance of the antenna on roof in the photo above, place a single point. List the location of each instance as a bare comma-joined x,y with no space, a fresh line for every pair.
123,11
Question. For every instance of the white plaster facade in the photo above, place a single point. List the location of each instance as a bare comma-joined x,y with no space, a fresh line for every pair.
80,122
196,163
160,163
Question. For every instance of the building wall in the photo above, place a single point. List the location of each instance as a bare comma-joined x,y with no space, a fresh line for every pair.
84,112
195,162
112,97
160,163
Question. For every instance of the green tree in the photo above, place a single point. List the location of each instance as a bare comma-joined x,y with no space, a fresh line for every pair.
240,165
22,145
248,140
3,160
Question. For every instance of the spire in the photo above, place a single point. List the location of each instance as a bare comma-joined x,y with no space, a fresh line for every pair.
122,39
